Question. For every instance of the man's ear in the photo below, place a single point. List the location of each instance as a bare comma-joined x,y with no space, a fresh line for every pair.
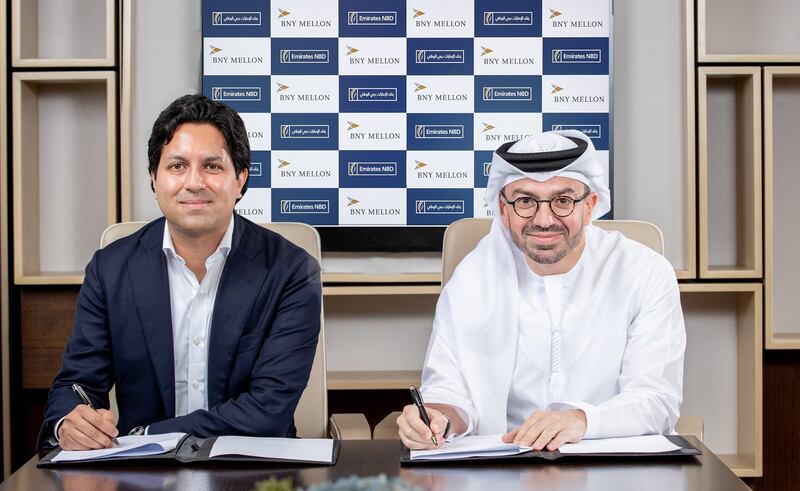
153,181
591,202
241,179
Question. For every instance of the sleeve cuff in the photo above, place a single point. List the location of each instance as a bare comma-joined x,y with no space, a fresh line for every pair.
56,428
464,417
588,409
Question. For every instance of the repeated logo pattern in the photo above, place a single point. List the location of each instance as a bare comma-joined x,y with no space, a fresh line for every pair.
386,112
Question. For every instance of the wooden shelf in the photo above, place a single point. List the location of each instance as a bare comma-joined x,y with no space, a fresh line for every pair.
723,369
382,290
329,278
781,221
71,147
744,31
56,33
373,380
730,196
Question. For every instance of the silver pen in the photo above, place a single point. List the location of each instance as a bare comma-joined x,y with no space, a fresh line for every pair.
85,399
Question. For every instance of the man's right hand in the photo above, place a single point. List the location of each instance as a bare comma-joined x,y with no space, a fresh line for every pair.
86,429
413,431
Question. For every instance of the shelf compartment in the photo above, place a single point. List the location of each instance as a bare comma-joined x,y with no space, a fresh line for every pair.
734,31
781,221
64,137
729,177
723,370
58,33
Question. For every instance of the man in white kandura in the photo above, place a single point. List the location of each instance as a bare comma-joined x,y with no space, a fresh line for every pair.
552,330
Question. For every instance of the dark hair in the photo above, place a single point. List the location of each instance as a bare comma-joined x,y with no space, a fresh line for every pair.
196,108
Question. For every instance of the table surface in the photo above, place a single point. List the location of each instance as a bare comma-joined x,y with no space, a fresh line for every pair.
368,458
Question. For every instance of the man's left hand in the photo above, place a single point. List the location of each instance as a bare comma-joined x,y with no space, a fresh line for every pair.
549,429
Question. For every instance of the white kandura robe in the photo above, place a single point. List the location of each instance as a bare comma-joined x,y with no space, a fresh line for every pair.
607,337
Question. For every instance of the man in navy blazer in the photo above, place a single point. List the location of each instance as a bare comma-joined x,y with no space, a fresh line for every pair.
205,322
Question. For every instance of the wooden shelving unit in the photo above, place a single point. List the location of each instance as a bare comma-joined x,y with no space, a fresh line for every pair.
54,33
781,175
729,137
373,380
744,31
723,370
73,145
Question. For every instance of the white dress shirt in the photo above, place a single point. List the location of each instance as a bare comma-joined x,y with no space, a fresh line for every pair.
192,305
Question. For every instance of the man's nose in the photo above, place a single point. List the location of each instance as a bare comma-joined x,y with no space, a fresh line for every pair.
194,179
544,216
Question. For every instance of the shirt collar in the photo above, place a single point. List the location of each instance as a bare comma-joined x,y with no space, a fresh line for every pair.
224,246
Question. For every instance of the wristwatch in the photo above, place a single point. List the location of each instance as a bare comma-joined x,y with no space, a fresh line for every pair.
138,431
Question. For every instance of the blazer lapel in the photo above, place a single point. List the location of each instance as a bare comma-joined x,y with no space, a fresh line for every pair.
238,288
148,274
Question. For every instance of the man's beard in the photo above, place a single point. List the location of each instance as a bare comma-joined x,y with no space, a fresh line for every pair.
559,249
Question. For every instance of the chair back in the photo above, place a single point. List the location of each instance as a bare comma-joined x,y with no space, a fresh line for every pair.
311,415
463,235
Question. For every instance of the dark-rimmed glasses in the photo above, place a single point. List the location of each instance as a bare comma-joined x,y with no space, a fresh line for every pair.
561,206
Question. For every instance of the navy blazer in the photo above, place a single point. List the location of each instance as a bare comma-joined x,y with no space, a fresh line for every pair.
264,332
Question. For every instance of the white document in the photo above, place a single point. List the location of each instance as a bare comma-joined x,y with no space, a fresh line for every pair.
471,446
306,449
632,444
129,446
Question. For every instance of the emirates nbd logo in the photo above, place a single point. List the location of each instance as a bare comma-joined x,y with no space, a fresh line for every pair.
305,206
438,56
357,94
521,93
286,19
255,169
355,207
370,169
236,18
590,130
231,94
371,18
576,56
305,56
449,131
487,167
508,18
299,131
439,206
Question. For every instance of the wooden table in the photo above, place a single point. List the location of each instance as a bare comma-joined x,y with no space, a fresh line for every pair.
366,458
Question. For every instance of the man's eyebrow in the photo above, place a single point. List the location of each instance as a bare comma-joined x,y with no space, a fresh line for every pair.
560,192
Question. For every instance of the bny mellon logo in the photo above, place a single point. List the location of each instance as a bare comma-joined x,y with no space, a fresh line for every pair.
351,125
351,50
282,163
420,164
417,13
554,13
487,127
419,87
214,49
485,51
555,88
283,13
352,201
281,87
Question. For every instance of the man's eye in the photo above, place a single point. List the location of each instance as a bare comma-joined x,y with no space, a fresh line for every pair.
177,165
563,201
525,201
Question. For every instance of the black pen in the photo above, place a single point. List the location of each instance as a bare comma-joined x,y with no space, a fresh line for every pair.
417,398
85,399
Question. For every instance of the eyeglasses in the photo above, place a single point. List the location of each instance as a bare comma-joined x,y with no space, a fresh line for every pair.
561,206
